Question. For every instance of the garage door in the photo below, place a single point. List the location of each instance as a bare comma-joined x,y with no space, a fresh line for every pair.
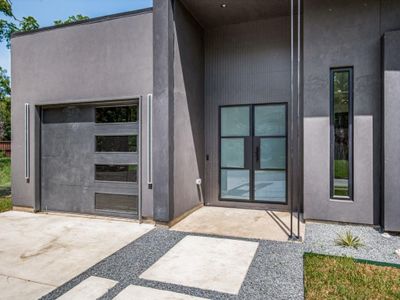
89,159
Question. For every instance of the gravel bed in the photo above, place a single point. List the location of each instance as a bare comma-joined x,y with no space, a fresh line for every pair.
276,271
320,238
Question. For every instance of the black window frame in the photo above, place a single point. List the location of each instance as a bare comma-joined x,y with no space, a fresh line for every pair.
113,210
350,133
96,178
96,150
116,106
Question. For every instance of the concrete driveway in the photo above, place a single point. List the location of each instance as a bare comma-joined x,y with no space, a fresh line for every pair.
40,252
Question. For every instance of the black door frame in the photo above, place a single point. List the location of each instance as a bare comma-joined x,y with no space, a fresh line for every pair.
249,155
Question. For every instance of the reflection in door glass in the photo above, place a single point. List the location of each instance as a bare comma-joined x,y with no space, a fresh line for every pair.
273,153
235,121
270,186
232,153
235,184
270,120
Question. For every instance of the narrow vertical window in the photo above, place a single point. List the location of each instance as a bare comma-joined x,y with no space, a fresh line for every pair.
341,133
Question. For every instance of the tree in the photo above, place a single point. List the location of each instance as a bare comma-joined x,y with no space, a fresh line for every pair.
71,19
7,27
5,8
5,106
12,24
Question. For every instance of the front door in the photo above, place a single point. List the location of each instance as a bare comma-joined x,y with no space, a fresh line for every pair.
253,153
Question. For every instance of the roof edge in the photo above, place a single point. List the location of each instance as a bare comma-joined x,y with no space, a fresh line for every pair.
84,22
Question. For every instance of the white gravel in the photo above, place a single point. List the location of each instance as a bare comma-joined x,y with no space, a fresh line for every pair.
320,238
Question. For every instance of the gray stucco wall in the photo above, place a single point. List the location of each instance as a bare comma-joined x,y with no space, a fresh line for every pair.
93,61
247,63
391,102
188,110
163,117
336,34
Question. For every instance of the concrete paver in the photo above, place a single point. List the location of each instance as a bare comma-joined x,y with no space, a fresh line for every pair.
89,289
204,262
145,293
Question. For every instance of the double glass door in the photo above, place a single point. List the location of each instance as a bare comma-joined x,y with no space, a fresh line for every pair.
253,153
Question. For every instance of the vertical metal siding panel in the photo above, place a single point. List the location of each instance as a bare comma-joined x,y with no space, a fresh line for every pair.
244,64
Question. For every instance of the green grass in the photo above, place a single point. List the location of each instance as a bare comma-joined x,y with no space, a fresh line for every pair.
5,204
5,171
330,277
5,184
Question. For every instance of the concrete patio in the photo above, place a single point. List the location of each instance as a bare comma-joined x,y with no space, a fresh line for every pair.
240,223
40,252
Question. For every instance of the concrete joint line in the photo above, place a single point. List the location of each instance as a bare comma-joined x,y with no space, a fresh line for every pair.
38,282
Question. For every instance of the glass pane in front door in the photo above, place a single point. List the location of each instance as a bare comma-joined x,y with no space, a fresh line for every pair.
270,141
234,162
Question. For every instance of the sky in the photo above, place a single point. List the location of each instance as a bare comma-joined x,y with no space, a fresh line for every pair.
46,11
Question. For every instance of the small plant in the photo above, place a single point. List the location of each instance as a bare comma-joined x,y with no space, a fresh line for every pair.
349,240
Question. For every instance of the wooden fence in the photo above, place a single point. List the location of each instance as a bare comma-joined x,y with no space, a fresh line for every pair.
6,148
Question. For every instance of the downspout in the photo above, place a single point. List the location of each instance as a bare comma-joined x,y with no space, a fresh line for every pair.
291,112
140,161
298,108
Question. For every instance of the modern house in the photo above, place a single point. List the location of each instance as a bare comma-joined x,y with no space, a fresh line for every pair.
259,104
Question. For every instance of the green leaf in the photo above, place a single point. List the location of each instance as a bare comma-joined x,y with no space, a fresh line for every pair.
71,19
28,23
5,8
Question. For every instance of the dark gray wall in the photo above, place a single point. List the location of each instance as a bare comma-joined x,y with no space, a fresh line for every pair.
344,33
245,63
93,61
188,110
210,14
391,102
163,110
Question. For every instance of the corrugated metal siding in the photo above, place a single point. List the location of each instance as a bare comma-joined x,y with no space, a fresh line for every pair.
244,64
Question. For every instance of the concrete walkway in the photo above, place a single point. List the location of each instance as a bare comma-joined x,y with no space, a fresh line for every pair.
40,252
165,264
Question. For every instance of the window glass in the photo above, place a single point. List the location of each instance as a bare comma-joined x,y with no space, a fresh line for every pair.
235,121
270,120
124,173
232,152
116,114
273,153
116,143
271,186
116,202
235,184
341,144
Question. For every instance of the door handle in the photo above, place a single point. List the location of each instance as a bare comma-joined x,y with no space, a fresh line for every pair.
257,154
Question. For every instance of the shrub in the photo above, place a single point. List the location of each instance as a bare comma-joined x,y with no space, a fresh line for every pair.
349,240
